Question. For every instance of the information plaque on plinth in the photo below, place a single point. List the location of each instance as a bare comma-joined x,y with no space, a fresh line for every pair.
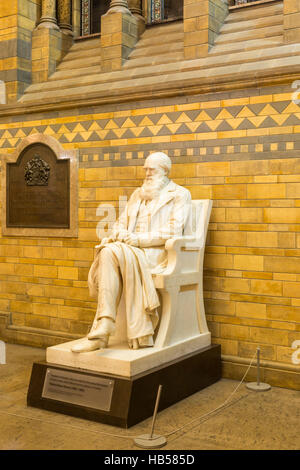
75,388
118,400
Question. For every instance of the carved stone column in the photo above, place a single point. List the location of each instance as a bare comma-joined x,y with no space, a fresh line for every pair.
76,17
64,16
48,18
135,6
49,43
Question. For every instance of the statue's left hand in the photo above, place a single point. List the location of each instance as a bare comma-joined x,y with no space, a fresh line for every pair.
120,236
132,239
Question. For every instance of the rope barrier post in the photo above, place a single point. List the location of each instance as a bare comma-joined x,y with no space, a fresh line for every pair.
149,441
258,386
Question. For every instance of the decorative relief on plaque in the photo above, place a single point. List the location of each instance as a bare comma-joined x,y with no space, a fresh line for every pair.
37,172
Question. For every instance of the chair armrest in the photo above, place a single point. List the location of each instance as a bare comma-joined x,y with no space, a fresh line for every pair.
176,248
177,251
188,243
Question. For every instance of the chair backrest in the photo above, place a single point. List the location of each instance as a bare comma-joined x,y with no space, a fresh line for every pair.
198,220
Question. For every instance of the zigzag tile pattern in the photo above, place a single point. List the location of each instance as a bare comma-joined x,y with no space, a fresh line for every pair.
198,123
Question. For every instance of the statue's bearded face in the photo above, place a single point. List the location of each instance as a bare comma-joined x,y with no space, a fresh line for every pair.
155,179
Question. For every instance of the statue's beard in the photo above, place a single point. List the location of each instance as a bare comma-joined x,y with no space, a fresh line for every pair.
152,187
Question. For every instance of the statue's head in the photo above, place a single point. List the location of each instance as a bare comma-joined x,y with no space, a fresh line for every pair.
158,163
157,167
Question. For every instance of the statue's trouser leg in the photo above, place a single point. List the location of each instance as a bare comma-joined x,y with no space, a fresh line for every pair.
110,285
118,268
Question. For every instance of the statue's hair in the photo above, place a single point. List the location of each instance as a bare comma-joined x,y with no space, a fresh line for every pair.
162,159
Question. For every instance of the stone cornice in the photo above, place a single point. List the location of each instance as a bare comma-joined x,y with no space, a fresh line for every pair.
166,89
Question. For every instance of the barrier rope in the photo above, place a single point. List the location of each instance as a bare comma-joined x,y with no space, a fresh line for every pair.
224,405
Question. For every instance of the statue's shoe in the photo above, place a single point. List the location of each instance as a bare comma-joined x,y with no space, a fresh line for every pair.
142,342
133,344
106,327
86,345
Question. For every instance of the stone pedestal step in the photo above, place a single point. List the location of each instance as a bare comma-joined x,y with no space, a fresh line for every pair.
254,44
252,24
162,34
157,50
161,30
179,79
81,58
78,54
260,33
209,62
79,63
212,67
256,11
158,40
67,74
159,44
86,44
154,60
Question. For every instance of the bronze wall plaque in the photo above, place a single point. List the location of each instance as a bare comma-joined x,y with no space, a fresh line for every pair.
38,189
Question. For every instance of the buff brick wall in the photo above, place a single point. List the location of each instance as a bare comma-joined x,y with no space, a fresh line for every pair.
8,45
17,21
240,149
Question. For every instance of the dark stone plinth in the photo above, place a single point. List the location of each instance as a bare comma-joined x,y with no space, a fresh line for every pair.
133,398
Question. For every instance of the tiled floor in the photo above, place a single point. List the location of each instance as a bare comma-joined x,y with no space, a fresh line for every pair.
269,420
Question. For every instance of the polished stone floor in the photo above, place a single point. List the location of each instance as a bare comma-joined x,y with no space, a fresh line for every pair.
265,420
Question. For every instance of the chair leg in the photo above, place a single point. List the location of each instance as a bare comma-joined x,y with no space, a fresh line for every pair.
201,310
168,316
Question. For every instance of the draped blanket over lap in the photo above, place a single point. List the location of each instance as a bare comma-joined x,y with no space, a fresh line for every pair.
141,299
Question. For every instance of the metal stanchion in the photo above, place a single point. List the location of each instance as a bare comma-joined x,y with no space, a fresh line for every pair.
148,441
258,386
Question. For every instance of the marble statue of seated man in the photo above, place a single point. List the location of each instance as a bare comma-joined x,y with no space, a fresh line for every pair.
124,262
